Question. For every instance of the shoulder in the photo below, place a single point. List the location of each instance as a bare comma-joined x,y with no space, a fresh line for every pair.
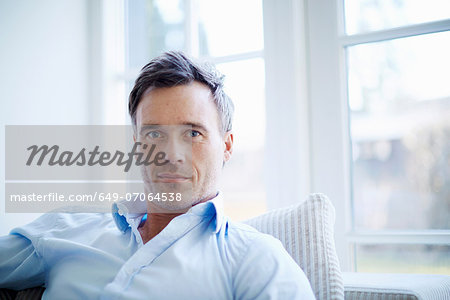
265,268
250,235
251,243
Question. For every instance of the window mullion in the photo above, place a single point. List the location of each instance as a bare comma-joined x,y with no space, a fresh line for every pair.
235,57
394,33
440,237
191,42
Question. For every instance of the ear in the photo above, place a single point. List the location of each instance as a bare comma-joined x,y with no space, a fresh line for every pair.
228,141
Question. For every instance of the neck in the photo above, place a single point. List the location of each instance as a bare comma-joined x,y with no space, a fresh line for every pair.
154,224
159,219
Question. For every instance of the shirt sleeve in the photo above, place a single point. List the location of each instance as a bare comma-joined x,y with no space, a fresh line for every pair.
268,272
20,265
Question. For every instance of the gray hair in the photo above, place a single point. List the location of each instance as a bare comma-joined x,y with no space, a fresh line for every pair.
174,68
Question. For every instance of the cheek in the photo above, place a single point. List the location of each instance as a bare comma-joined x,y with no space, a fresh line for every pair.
206,158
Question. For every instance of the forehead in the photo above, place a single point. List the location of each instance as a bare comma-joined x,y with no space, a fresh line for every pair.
183,104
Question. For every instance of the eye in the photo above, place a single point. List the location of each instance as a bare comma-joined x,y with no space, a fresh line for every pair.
194,133
154,134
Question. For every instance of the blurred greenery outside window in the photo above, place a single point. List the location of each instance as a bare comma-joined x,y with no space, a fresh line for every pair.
399,100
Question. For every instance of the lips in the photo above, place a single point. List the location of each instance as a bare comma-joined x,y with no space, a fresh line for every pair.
171,177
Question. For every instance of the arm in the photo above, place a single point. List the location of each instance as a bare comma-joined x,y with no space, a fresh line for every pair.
20,265
268,272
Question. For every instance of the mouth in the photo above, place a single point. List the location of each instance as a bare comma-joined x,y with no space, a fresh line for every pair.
171,177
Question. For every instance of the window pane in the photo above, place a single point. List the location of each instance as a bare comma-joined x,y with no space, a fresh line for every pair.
245,195
399,95
229,27
370,15
154,26
429,259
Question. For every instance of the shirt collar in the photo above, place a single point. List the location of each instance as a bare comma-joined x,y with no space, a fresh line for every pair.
130,213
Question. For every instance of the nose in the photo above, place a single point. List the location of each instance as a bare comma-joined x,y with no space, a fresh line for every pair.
175,151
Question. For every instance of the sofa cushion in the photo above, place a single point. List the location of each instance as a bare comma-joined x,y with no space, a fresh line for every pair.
306,231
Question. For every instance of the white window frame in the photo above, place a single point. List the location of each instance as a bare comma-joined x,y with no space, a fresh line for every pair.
295,42
307,117
106,62
192,39
329,121
287,126
191,43
287,146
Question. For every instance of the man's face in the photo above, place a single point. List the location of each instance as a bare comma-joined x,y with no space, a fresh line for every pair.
183,122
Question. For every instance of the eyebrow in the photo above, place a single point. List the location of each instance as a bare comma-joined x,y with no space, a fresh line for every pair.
194,125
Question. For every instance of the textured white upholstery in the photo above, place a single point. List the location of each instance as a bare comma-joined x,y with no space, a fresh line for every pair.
364,286
306,231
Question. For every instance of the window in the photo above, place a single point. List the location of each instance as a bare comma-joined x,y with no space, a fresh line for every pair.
355,105
203,29
399,100
387,69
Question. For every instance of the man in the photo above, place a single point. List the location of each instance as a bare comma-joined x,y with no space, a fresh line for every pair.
175,249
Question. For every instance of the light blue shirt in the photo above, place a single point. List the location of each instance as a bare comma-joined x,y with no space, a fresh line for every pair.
199,255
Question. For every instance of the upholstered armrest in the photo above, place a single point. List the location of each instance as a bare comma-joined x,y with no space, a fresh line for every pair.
365,286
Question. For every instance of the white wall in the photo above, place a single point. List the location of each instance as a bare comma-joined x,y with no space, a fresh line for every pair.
44,71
